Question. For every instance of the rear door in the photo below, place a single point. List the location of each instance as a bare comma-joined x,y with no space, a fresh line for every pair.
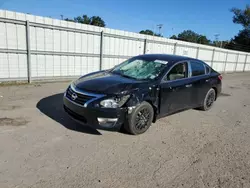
200,78
175,89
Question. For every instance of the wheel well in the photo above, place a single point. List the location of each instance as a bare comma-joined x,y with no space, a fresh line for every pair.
215,89
155,110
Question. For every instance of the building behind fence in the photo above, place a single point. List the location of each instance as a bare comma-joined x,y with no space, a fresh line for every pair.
34,48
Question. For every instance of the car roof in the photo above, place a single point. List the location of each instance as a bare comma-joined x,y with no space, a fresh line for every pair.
171,59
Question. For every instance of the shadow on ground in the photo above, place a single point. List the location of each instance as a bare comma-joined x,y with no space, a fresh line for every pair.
52,106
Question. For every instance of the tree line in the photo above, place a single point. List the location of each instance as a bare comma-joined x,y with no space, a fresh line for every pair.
94,20
239,42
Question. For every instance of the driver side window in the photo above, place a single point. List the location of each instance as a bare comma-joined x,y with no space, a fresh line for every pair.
177,72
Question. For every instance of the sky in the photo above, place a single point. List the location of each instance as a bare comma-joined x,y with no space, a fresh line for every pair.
207,17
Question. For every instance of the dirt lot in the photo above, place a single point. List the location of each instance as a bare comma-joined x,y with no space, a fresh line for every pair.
41,147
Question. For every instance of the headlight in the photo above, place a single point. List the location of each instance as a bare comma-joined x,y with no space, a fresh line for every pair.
114,102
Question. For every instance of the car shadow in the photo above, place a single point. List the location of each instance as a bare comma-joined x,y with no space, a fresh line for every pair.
52,106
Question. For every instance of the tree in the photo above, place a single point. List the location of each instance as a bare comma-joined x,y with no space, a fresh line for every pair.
188,36
202,39
69,20
191,36
174,37
242,16
94,20
242,40
243,37
86,19
149,32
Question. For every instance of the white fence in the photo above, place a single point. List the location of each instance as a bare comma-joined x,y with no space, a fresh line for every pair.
34,47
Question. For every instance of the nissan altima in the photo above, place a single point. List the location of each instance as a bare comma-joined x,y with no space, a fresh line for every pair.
137,92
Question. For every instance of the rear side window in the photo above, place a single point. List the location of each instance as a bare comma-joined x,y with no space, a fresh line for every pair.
197,68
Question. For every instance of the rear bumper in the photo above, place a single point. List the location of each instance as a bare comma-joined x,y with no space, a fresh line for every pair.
100,118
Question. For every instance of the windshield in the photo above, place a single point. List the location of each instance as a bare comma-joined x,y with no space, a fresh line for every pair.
140,69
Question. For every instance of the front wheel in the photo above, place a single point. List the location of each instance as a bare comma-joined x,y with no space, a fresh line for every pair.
209,100
140,119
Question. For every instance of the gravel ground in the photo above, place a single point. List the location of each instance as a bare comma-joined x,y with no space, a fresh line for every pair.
40,146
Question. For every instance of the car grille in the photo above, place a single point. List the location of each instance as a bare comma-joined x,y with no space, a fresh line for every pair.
75,115
80,99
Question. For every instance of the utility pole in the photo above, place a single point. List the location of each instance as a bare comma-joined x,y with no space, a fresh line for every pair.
160,27
172,33
216,37
153,30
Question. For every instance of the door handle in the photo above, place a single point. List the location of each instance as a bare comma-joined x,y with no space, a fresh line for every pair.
207,80
188,85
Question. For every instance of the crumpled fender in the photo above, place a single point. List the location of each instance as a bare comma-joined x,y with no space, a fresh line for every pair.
150,95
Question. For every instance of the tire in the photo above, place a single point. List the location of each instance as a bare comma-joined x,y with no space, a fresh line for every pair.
140,119
208,100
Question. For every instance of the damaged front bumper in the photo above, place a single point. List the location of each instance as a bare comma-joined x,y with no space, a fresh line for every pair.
101,118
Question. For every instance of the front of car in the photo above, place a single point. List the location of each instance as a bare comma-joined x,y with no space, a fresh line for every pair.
104,110
104,99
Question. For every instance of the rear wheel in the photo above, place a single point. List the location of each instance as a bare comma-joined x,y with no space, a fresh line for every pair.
209,100
140,119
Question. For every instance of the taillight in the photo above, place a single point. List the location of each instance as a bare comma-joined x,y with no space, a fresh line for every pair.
220,77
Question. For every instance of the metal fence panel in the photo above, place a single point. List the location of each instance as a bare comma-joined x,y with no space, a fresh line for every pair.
247,67
248,59
160,48
220,56
205,55
241,58
232,58
230,67
4,65
240,67
218,66
185,50
21,37
59,48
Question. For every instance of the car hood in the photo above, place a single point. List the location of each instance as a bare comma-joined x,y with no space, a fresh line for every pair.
106,83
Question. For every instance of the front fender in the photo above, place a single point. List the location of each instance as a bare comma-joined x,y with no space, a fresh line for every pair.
150,95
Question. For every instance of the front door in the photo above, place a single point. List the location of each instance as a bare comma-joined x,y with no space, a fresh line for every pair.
175,90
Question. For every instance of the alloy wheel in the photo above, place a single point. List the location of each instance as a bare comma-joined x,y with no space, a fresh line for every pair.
142,119
210,99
